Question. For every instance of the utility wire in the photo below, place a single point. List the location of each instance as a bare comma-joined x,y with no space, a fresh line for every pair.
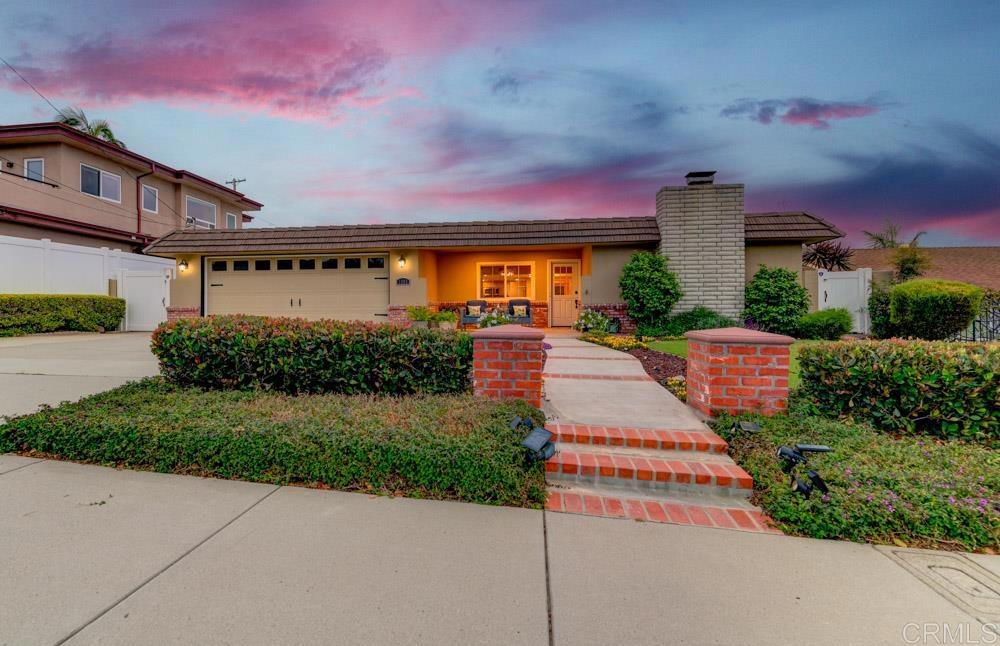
63,114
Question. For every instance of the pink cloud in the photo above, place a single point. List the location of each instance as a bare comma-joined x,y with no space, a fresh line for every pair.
308,60
800,111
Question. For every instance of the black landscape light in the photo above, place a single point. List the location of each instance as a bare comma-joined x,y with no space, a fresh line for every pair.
817,481
812,448
790,458
800,487
539,444
745,426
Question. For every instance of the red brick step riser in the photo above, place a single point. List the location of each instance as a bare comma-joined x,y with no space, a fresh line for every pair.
646,438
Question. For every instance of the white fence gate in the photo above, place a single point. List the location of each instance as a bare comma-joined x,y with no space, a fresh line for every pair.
847,289
46,267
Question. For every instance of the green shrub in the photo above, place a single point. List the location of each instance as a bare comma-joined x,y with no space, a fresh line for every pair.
438,446
592,321
933,309
700,318
649,288
881,326
949,390
299,356
923,492
828,324
36,313
775,301
444,316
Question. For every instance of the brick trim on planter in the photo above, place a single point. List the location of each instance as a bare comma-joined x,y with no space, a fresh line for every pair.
616,311
175,313
733,370
507,363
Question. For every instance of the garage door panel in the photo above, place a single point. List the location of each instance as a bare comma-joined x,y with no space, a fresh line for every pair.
344,294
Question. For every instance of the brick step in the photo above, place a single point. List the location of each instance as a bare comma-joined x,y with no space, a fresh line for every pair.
623,470
648,438
679,510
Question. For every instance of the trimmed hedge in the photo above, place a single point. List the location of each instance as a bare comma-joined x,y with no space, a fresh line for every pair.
37,313
951,390
933,309
437,446
299,356
923,492
648,287
828,324
775,300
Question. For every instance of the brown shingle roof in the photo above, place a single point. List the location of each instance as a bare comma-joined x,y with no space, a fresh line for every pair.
789,225
976,265
411,236
493,233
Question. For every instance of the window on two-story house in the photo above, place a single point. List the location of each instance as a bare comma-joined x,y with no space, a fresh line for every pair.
34,169
200,213
99,183
150,199
230,220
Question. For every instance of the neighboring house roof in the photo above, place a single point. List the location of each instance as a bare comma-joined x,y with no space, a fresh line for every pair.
976,265
789,225
26,132
498,233
33,218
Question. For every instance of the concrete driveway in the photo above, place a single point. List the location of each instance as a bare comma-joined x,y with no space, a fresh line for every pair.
50,369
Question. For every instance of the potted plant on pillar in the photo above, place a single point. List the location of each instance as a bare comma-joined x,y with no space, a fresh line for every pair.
446,320
419,315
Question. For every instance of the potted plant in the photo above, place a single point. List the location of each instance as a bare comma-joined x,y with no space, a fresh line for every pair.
494,318
419,315
446,320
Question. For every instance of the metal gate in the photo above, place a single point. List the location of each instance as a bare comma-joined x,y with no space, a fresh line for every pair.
847,289
147,295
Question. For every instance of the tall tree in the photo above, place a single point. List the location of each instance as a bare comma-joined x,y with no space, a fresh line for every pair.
100,128
888,237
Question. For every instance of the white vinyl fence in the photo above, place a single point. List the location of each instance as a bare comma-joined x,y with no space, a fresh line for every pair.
850,290
46,267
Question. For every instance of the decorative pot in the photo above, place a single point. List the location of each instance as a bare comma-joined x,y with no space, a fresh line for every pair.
420,324
447,325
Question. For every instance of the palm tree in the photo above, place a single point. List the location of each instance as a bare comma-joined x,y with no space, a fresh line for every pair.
100,128
888,237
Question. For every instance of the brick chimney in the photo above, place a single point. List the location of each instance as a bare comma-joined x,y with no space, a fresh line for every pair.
701,232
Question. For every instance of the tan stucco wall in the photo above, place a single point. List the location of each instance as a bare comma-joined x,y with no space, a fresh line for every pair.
416,292
62,166
606,268
788,256
185,289
37,233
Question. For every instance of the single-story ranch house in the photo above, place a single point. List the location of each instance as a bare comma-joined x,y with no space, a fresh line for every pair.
372,272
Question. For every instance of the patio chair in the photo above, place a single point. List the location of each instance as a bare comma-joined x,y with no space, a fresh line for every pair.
513,310
473,319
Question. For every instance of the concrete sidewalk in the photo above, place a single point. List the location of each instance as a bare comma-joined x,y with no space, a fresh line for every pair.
52,368
97,555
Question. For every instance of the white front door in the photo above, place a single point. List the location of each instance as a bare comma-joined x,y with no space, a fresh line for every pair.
565,289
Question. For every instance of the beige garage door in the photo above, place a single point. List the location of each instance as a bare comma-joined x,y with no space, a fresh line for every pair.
346,287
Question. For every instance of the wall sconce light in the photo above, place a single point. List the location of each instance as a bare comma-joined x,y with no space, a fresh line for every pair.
182,265
10,164
402,261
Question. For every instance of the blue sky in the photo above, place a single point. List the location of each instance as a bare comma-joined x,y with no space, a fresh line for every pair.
426,111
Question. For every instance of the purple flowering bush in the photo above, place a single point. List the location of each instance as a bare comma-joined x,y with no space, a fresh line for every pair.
920,490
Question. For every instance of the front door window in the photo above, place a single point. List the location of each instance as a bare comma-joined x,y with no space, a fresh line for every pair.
565,293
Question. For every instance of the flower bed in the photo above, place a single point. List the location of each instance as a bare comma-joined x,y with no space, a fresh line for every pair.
299,356
913,490
439,446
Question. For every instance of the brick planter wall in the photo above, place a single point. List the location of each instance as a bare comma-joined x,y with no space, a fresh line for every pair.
615,311
174,313
734,370
507,363
397,315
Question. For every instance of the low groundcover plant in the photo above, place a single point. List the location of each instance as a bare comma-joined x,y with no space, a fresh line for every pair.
430,446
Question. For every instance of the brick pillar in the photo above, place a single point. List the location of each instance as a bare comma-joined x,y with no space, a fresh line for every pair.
507,363
734,370
398,315
174,313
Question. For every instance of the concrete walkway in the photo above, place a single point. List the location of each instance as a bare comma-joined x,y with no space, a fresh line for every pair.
53,368
97,555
